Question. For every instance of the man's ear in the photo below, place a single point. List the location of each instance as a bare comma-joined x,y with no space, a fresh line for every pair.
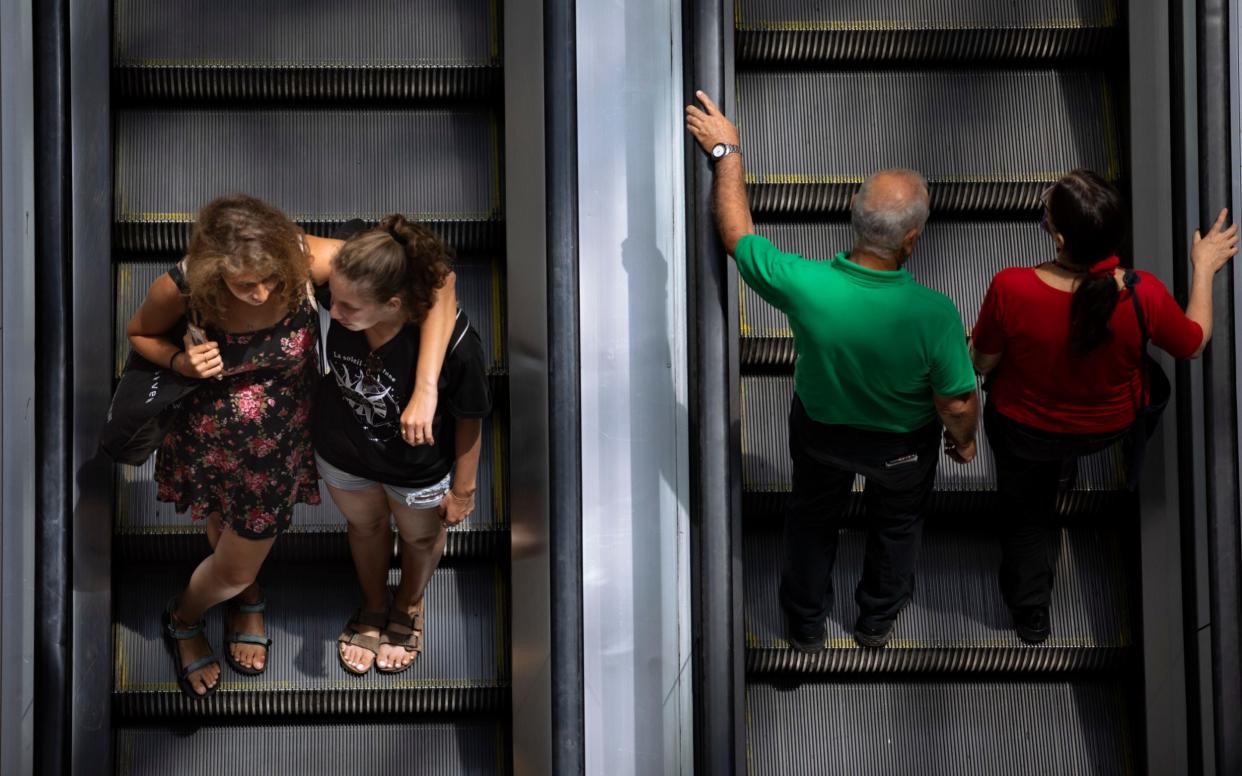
911,239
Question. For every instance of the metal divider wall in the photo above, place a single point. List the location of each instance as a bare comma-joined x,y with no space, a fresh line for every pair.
991,102
331,111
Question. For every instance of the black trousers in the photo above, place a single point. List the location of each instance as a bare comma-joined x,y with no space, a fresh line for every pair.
900,471
1032,468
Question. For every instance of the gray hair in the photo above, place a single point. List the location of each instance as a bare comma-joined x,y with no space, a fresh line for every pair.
883,221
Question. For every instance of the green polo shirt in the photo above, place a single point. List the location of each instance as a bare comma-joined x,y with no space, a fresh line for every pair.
872,346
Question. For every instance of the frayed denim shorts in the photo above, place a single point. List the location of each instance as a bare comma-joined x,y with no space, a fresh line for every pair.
426,497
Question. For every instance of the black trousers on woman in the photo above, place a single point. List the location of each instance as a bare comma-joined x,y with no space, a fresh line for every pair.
900,471
1032,468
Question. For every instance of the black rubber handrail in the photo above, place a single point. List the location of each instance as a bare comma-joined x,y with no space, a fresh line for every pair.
564,387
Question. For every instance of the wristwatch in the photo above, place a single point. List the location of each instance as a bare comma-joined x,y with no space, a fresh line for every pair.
721,150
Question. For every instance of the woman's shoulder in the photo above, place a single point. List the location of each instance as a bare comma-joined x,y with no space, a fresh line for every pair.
1014,280
1149,285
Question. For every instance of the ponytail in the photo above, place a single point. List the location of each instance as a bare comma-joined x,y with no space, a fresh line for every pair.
1087,211
396,258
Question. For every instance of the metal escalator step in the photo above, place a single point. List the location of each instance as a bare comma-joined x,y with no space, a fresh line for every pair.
480,291
956,258
463,669
148,529
306,49
767,468
472,748
957,620
770,31
939,729
321,167
985,141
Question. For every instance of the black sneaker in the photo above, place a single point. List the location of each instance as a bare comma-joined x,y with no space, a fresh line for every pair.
1031,623
805,638
873,633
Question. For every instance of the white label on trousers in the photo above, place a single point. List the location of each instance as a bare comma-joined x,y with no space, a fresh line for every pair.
912,458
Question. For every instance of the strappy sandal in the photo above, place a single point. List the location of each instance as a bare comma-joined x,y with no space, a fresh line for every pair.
233,637
352,638
406,631
174,633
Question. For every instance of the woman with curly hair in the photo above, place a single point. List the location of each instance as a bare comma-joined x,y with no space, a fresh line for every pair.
383,282
239,453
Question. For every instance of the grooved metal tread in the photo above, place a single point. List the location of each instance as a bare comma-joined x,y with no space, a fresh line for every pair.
464,667
469,748
148,529
957,619
939,729
321,167
986,140
957,259
767,468
480,293
797,31
306,49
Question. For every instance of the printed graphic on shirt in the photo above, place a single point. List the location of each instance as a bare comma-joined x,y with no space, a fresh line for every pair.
371,400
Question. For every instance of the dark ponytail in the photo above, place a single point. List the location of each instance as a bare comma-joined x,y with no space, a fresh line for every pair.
1087,211
396,258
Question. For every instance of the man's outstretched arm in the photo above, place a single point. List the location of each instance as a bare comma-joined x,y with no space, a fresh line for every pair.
710,127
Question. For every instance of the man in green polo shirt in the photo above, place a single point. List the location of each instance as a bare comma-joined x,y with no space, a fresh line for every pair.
881,364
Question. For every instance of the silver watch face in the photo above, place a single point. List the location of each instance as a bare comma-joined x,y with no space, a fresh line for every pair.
719,150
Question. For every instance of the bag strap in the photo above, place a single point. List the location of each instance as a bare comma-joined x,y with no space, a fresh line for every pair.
1132,280
177,273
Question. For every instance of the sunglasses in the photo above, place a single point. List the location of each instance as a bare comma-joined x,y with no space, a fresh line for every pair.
370,377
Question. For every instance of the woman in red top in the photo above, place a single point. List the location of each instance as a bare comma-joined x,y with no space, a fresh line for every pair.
1064,341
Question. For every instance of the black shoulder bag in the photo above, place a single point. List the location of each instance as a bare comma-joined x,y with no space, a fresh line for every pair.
145,401
1154,395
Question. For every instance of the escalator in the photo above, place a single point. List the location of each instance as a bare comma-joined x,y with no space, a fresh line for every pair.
331,111
991,101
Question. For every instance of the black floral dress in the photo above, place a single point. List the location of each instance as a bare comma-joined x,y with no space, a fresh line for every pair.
240,448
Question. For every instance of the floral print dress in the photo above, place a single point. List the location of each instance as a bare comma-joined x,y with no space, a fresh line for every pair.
240,448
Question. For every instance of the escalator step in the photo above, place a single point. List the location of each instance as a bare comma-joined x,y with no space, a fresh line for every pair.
770,31
956,258
480,291
147,529
767,468
985,140
939,729
321,167
957,620
473,748
306,49
463,670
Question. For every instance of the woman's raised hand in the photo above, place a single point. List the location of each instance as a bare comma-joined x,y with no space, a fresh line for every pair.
199,361
1213,250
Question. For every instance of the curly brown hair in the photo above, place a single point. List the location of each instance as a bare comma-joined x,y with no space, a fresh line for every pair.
396,258
240,234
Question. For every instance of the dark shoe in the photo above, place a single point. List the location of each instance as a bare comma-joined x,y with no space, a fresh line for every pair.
874,632
1032,624
805,638
173,632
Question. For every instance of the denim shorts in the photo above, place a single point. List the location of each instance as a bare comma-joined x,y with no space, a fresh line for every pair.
425,497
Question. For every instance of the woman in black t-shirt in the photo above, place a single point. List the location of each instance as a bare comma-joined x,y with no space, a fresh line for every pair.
383,283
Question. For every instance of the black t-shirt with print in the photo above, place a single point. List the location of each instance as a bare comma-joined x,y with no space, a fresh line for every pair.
358,411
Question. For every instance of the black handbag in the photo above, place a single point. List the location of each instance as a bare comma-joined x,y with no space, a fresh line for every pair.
145,402
1153,397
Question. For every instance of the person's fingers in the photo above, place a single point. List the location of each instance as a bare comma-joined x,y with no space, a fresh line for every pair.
693,112
707,102
1220,219
1197,237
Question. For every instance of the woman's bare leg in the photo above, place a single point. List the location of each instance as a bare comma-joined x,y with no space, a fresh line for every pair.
230,569
422,543
370,544
250,655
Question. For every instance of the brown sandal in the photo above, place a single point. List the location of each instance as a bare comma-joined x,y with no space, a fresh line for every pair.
406,631
351,637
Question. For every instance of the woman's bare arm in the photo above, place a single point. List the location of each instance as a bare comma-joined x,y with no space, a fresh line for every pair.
460,500
148,332
433,343
322,250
